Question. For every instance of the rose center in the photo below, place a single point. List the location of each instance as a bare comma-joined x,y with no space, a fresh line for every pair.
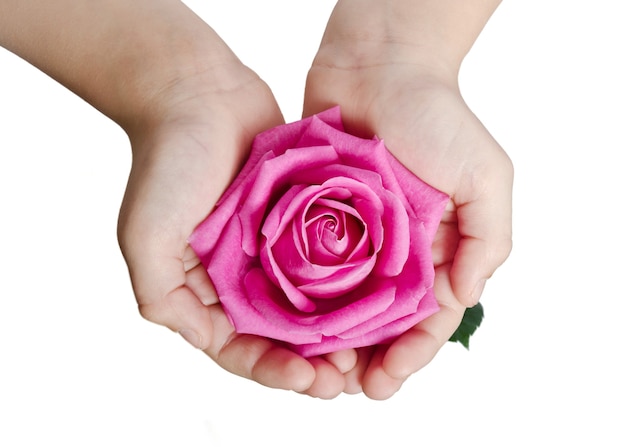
333,236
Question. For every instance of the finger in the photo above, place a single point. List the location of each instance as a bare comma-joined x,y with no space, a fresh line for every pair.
156,262
447,237
354,377
328,383
197,279
164,297
153,244
261,360
484,223
377,384
416,348
257,358
344,360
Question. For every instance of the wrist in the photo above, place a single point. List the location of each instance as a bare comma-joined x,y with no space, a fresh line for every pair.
434,35
170,58
178,89
368,57
204,99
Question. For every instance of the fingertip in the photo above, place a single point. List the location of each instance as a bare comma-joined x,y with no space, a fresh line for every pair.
353,382
474,262
380,386
181,312
193,338
328,383
469,295
283,369
344,360
302,374
354,377
476,293
409,353
417,347
377,384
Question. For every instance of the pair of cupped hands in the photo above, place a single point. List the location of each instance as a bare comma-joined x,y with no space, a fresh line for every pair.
186,157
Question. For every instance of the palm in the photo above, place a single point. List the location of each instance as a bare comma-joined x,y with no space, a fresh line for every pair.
428,127
180,168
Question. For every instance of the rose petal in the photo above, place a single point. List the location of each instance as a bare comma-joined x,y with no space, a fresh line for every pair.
367,154
352,309
229,278
367,204
427,203
225,268
297,276
395,248
273,176
372,155
340,279
298,268
208,232
341,239
295,296
348,241
295,202
253,317
280,139
291,265
411,284
325,237
427,307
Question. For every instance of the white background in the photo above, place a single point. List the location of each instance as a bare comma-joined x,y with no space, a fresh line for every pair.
79,367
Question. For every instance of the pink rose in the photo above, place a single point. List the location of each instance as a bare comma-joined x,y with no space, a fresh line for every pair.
323,241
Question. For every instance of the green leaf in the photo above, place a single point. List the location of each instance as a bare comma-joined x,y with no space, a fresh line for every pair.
472,318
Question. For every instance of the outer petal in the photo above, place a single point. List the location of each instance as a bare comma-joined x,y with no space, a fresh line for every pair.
280,139
325,173
208,232
371,155
427,307
332,117
354,309
225,269
427,203
265,313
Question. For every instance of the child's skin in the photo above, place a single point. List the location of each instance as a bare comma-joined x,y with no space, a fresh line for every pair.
191,110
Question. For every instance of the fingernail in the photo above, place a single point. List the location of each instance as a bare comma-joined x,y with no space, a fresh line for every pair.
478,290
191,337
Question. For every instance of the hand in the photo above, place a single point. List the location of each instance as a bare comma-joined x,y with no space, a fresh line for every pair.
417,109
184,156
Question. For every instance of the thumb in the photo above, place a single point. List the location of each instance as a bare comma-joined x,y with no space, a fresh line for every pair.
484,224
172,297
171,286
